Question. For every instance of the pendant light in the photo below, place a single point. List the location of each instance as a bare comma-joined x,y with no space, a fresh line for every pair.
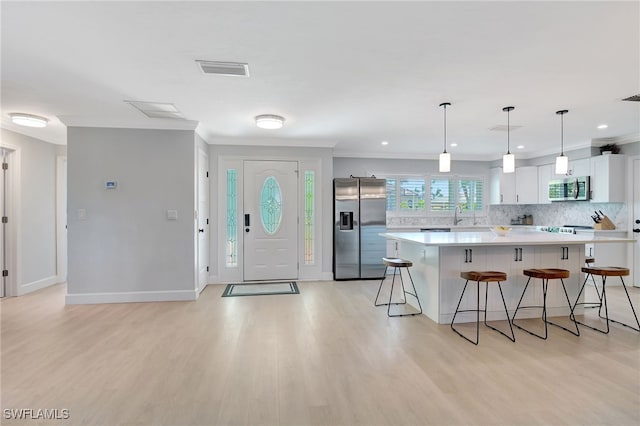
508,160
444,165
562,162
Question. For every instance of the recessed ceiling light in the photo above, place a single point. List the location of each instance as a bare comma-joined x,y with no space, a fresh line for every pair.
385,143
28,120
269,121
520,147
602,126
453,144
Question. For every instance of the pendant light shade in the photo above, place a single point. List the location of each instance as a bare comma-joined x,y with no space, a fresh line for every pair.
562,161
444,164
508,159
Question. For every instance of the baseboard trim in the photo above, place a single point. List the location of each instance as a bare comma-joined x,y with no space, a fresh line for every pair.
131,297
37,285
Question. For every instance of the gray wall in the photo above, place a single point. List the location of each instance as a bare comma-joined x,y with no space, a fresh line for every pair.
126,249
37,215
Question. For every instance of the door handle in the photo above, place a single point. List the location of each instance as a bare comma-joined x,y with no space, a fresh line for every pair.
200,230
247,219
636,229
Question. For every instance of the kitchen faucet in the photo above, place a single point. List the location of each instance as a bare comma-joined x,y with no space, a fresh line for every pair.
455,215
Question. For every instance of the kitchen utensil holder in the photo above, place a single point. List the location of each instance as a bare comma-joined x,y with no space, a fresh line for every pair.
604,224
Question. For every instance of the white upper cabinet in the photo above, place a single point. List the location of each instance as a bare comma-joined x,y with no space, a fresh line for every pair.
608,178
503,187
520,187
545,174
527,185
581,167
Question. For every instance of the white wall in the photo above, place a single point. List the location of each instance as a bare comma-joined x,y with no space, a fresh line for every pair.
126,249
36,235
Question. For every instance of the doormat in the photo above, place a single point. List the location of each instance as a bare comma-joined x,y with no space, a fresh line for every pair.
260,289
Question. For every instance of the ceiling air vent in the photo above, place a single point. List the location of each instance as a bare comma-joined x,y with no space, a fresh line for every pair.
224,68
503,128
634,98
157,109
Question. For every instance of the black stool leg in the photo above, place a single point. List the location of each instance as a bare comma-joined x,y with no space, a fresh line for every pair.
404,295
602,300
595,285
544,310
486,288
415,292
478,315
384,276
630,304
571,316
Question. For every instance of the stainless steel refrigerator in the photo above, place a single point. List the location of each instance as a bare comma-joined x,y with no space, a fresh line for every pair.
360,208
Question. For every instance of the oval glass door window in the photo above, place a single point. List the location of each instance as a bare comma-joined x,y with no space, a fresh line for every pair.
271,205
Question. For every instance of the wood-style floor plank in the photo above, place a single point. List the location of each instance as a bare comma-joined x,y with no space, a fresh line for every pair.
324,357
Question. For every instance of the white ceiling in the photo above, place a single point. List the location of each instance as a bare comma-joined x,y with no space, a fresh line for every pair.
344,74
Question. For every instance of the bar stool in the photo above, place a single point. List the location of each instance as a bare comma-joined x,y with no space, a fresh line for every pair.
604,272
545,275
486,277
396,264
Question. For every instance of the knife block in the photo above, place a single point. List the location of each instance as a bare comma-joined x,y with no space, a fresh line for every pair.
605,224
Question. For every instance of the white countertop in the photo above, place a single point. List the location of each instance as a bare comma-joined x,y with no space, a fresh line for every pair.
489,239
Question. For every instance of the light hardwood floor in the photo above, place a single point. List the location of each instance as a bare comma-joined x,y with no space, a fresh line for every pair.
324,357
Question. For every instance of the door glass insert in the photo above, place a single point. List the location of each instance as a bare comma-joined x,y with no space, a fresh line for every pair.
271,205
309,205
231,247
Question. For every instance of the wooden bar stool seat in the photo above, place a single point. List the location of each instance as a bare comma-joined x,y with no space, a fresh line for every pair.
604,272
545,275
485,277
397,264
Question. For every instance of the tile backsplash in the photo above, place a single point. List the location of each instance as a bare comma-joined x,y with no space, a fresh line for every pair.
554,214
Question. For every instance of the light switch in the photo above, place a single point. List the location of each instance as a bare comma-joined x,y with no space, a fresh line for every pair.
172,214
82,214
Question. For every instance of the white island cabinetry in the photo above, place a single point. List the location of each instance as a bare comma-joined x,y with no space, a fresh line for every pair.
439,257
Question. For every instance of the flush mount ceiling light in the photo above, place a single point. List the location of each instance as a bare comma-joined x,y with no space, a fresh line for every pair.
444,164
562,162
508,159
602,126
28,120
269,121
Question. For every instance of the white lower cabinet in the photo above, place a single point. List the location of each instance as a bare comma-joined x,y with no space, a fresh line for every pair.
512,260
453,261
393,248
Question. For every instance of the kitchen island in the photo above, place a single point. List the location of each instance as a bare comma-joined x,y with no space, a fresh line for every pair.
439,257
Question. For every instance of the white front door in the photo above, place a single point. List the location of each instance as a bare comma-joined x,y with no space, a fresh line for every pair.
270,220
203,219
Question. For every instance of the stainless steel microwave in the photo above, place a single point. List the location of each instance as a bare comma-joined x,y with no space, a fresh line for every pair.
570,189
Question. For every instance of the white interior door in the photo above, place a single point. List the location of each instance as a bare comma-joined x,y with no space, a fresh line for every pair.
203,219
635,211
270,220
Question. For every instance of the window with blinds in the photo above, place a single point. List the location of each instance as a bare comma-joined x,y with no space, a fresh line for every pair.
405,195
391,194
412,192
466,192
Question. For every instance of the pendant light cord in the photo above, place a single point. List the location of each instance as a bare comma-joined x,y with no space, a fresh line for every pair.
561,113
445,105
561,134
445,128
508,133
